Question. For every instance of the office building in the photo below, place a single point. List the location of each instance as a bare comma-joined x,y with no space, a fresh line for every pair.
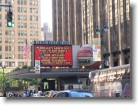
67,20
46,33
26,28
112,19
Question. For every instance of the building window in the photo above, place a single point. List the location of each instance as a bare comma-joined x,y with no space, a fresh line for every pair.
18,2
0,32
0,24
31,18
0,40
0,48
0,56
18,9
10,64
7,48
20,64
0,64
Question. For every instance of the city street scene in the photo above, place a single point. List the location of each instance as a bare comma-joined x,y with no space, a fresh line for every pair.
83,52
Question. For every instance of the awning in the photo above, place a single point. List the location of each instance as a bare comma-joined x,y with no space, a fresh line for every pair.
30,73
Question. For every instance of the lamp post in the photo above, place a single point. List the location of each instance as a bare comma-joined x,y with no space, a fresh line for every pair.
41,56
3,67
100,31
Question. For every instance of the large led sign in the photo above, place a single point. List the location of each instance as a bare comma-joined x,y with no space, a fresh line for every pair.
53,55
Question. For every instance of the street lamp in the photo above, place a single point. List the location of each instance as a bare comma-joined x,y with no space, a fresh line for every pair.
3,67
101,32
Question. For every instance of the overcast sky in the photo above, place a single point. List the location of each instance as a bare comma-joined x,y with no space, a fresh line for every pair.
46,12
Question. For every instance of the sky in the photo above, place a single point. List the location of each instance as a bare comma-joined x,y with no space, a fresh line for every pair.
46,12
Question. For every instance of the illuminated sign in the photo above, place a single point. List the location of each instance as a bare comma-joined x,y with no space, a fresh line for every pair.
53,55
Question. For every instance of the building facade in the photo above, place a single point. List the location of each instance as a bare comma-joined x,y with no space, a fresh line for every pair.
26,28
116,40
67,25
46,33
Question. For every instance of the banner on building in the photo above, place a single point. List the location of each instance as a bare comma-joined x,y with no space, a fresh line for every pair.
96,49
37,66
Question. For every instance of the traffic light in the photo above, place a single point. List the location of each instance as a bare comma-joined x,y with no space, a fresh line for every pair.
9,19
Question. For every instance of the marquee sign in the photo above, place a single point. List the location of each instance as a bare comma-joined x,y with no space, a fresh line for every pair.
53,55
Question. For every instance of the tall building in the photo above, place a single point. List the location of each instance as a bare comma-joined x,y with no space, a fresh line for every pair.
26,28
46,33
116,40
67,20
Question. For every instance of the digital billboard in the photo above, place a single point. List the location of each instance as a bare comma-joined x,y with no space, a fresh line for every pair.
53,55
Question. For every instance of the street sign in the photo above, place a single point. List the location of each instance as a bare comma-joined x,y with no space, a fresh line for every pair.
37,66
107,63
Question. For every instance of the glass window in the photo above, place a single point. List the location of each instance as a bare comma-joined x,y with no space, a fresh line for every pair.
18,2
0,40
0,32
0,48
6,48
0,56
18,9
0,24
25,2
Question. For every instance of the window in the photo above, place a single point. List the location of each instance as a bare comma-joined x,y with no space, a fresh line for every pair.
18,17
20,64
36,18
13,48
30,18
0,64
0,40
0,32
6,56
25,2
0,24
18,9
18,2
6,40
10,64
6,48
0,48
30,10
0,56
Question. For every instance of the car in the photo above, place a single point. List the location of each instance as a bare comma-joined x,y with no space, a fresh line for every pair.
74,93
50,93
38,95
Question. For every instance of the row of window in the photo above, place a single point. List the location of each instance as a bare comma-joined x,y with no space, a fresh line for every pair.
24,2
8,48
20,33
20,25
24,10
12,56
23,17
12,48
8,40
21,2
12,64
20,40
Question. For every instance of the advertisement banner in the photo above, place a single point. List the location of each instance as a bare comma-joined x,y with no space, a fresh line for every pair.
96,49
37,66
54,55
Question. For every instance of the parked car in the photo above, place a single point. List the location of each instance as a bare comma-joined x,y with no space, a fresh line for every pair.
38,95
74,93
50,93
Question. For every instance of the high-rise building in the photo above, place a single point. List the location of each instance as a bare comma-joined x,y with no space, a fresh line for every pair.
116,40
26,28
46,33
67,20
